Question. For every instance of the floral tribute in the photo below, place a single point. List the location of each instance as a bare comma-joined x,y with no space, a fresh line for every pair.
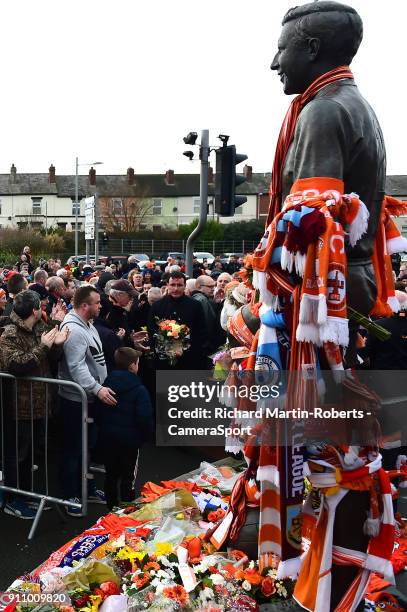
171,339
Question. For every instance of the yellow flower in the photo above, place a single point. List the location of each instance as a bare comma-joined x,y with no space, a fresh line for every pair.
163,548
96,601
127,553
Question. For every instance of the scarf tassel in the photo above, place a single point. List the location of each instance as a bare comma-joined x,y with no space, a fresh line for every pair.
358,227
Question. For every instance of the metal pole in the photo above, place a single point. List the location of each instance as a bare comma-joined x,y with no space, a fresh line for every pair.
203,193
46,216
76,208
96,228
87,251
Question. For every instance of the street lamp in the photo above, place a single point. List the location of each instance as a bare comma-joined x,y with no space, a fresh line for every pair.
77,164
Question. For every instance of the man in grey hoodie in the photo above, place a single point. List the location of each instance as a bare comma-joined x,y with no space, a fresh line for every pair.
84,363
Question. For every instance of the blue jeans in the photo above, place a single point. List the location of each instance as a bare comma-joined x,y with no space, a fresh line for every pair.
71,459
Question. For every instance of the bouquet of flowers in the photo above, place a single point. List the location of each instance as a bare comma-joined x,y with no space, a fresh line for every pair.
171,339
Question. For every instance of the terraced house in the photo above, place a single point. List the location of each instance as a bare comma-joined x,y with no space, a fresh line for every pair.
132,202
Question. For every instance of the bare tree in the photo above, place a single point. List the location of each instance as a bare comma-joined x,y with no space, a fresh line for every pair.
124,214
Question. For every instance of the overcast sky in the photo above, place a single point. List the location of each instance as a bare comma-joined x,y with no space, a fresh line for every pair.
123,81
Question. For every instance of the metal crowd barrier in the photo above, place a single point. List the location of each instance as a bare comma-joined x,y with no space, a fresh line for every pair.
43,497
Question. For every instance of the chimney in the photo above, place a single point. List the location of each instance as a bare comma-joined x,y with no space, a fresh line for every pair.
13,173
92,176
169,177
210,175
248,171
51,174
130,176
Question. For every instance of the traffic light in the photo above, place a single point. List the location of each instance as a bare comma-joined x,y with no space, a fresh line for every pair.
226,181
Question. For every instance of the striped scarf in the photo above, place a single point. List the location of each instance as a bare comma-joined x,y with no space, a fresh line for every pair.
313,588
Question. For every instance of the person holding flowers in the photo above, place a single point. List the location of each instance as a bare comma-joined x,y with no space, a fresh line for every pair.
181,309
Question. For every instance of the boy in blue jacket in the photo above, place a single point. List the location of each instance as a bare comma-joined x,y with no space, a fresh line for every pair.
125,427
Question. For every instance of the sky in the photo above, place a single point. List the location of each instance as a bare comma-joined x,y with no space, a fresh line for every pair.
123,81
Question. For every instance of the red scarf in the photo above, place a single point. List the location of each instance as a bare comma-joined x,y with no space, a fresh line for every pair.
287,130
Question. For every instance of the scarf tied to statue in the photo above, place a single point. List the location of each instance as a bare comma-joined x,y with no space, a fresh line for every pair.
300,268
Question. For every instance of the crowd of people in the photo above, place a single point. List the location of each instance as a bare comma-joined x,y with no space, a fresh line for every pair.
96,325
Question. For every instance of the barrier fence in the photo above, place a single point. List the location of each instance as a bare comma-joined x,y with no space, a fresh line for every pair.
23,439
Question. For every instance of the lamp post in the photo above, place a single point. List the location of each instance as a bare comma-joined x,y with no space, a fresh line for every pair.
77,164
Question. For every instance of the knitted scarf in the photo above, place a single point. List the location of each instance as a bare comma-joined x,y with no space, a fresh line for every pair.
288,129
313,588
308,236
388,241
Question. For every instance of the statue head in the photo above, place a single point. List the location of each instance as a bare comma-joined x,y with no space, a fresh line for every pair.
316,37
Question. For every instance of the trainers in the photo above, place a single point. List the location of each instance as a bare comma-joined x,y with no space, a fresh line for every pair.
20,509
96,497
77,512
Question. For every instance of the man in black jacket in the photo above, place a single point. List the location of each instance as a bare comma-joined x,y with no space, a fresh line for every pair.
177,306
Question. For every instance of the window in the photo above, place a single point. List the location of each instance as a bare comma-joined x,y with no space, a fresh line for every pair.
117,205
74,226
156,228
404,230
157,207
239,210
74,209
142,226
36,206
197,206
36,225
62,225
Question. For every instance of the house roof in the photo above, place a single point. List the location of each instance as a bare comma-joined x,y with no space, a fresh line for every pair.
145,185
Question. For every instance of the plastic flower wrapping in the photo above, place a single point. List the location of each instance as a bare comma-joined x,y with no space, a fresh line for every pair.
171,339
157,555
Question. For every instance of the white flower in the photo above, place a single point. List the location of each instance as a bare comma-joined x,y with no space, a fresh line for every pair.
272,573
246,585
251,565
159,588
164,561
162,574
206,594
152,572
217,579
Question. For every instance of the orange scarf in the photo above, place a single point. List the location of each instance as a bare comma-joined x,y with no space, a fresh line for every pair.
288,129
388,241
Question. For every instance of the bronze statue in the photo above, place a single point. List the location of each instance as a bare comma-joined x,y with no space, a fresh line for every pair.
337,136
337,133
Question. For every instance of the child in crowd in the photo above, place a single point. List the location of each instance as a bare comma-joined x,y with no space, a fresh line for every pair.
123,428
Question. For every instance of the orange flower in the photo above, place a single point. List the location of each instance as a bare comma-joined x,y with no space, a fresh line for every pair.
230,569
237,554
178,593
151,565
267,587
140,580
252,576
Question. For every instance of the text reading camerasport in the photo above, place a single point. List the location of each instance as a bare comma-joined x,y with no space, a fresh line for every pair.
219,430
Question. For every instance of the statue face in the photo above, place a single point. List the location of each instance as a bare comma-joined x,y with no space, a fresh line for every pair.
292,61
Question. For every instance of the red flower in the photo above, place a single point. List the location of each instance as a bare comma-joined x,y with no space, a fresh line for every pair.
98,591
267,587
109,588
81,601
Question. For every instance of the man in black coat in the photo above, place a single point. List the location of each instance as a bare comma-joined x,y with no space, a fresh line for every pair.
177,306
